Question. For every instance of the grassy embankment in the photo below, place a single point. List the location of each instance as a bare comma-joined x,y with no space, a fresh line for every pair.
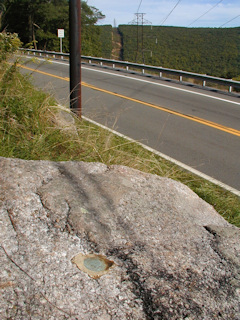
29,130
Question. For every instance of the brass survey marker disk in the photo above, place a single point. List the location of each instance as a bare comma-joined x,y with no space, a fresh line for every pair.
92,264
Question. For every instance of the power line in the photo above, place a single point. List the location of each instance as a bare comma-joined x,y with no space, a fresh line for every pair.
206,12
171,12
139,6
229,21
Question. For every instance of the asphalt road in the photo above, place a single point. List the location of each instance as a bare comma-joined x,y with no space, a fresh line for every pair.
198,127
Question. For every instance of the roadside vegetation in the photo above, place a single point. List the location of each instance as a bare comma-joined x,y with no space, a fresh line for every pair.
212,51
30,129
106,41
38,21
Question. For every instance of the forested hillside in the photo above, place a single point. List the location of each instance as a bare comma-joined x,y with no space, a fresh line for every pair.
106,41
36,23
213,51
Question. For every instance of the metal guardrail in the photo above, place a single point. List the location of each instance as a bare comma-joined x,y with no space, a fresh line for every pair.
145,69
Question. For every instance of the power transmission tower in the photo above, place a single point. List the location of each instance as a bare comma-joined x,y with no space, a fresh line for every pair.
140,21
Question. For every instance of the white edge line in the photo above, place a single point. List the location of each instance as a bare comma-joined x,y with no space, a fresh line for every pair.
145,81
165,85
164,156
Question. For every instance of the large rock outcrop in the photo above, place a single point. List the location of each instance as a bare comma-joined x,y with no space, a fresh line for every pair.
87,241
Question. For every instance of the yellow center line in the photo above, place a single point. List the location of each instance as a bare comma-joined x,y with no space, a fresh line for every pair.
42,72
176,113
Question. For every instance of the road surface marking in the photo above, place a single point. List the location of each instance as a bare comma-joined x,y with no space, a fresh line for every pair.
189,117
182,115
166,86
176,162
146,81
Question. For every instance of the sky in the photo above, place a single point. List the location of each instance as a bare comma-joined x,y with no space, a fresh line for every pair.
186,13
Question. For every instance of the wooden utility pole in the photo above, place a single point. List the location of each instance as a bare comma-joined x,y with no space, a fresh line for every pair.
75,56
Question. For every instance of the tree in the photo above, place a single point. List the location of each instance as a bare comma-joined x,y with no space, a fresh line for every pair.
21,17
54,15
37,23
90,33
2,10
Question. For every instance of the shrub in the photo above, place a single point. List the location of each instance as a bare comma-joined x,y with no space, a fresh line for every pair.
9,43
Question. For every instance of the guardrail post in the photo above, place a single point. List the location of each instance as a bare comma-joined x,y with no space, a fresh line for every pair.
231,84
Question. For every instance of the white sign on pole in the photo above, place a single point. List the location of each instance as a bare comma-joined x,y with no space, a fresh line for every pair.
60,33
61,36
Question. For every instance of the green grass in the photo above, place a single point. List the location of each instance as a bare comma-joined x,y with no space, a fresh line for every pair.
30,129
